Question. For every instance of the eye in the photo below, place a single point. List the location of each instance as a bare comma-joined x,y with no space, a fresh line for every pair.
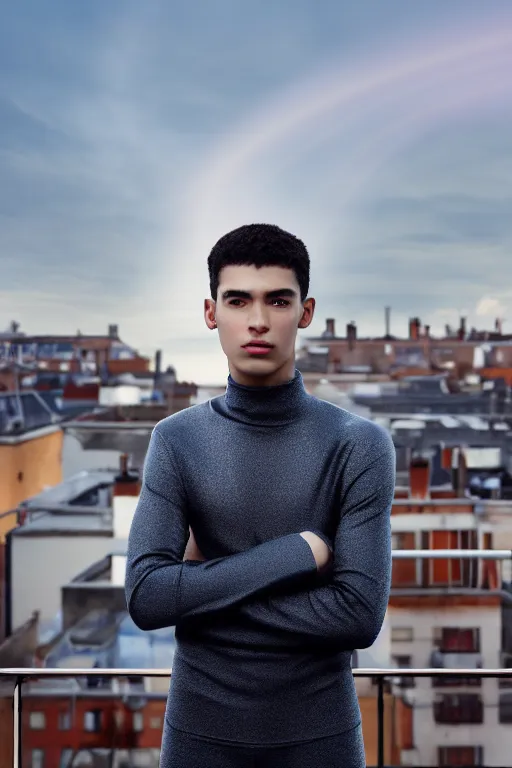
284,303
234,300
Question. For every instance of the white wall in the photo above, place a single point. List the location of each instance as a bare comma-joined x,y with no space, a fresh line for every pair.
123,509
42,565
496,739
75,459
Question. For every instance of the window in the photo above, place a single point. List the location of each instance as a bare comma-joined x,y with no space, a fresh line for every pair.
456,682
66,758
402,634
37,721
455,709
92,721
505,708
119,718
37,758
457,640
506,663
64,721
452,756
138,722
405,662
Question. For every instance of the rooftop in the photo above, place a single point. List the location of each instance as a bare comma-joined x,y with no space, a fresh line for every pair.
82,503
23,413
104,639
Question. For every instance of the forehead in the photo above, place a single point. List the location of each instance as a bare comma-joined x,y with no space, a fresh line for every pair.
247,277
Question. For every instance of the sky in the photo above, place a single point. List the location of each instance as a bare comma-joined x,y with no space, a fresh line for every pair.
133,135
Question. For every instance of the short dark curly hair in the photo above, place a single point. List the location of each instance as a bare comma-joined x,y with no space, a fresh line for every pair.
260,245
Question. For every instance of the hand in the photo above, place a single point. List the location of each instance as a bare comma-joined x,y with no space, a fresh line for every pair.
192,551
321,551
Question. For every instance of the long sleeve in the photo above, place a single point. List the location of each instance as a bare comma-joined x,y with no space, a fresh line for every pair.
160,588
348,611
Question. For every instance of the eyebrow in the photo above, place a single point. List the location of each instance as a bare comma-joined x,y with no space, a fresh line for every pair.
288,292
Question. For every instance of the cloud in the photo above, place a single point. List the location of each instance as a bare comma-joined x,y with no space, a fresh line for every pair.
134,137
489,307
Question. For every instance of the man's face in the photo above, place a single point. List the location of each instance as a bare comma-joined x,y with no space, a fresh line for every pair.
259,305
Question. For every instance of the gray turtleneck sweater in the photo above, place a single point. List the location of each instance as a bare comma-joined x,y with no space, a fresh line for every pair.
264,642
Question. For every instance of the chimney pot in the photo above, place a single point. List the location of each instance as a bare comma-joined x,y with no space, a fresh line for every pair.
351,334
329,326
126,483
123,464
460,474
414,328
387,315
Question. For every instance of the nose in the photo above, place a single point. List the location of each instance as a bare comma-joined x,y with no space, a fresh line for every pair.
258,319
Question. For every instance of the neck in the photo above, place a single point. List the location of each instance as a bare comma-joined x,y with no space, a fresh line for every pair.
271,405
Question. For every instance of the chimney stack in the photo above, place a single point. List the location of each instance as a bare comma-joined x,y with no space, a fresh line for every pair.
414,328
387,315
460,474
447,458
127,482
462,329
113,331
351,334
427,331
498,326
158,366
329,327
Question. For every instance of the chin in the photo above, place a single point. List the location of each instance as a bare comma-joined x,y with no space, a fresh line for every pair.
259,368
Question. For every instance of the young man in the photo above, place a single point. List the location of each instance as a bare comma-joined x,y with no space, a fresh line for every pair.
262,533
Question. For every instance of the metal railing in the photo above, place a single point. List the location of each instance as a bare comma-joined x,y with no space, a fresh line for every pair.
382,678
466,571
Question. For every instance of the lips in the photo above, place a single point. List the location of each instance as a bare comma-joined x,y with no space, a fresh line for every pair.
257,345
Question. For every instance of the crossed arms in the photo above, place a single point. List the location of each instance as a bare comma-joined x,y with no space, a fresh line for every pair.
162,590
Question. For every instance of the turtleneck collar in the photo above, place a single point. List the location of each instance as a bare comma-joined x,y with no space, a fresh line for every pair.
270,406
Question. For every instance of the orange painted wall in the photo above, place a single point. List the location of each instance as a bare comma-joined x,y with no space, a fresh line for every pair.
396,725
498,373
404,571
26,467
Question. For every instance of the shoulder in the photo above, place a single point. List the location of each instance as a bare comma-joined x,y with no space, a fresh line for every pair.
362,443
371,437
353,428
181,424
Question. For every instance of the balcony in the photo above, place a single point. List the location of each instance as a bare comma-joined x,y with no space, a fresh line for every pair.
113,718
465,571
60,719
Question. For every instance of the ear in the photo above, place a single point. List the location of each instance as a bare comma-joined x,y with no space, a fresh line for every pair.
307,313
209,313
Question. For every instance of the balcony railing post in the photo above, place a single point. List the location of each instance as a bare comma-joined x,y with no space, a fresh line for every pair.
380,722
18,728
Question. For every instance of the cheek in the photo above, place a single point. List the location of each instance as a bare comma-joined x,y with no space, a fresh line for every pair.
229,335
288,329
